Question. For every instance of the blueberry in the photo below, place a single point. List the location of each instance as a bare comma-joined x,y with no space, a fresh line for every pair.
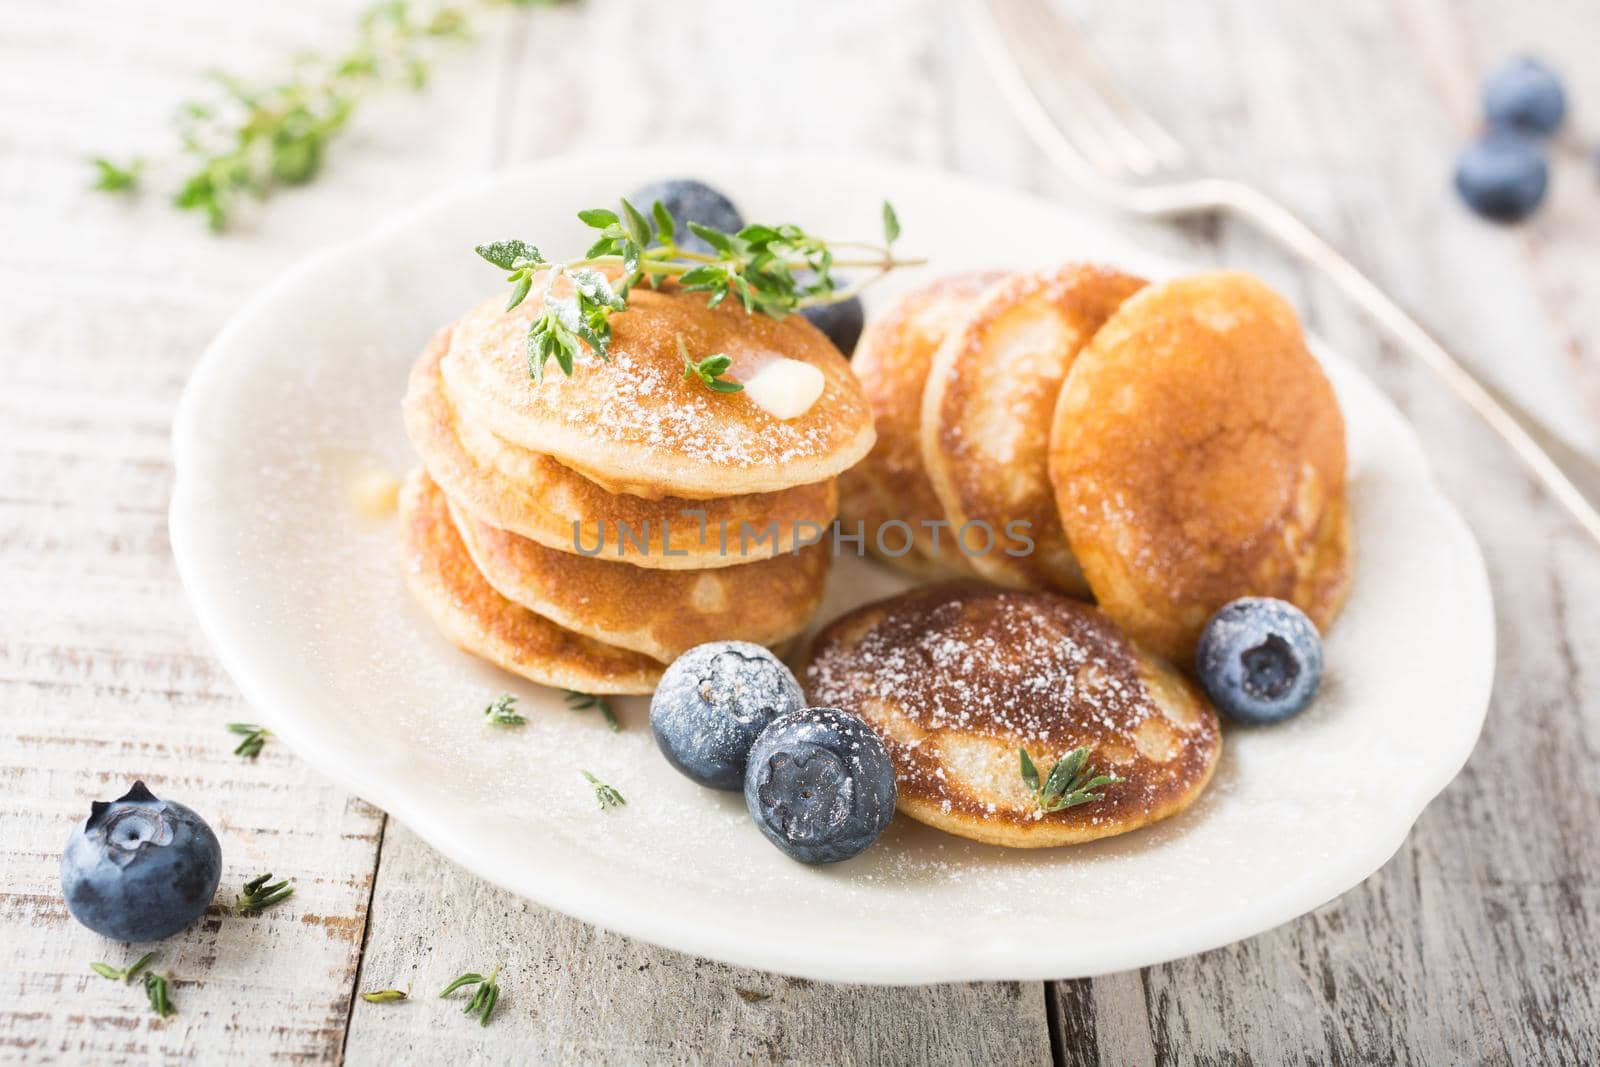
712,704
842,322
140,868
687,200
1502,175
820,785
1524,94
1259,660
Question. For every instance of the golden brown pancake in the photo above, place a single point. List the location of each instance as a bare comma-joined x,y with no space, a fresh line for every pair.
891,360
634,424
660,613
1198,455
531,494
957,677
480,621
986,418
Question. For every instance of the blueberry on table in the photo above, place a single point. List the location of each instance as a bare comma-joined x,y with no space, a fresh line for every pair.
842,322
1525,94
1502,175
140,868
1259,660
687,200
712,704
820,785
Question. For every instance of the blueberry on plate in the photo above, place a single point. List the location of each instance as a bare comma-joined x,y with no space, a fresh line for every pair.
1259,660
140,868
820,785
842,322
1525,94
687,200
712,704
1503,175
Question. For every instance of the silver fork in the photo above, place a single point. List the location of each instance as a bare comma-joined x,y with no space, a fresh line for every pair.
1076,111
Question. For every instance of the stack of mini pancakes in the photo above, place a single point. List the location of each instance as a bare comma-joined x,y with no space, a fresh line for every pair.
583,531
1160,448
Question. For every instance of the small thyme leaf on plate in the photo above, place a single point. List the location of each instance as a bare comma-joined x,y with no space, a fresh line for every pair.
607,796
770,270
254,737
1071,781
258,895
751,996
484,997
709,370
155,987
384,996
111,178
125,974
502,712
589,702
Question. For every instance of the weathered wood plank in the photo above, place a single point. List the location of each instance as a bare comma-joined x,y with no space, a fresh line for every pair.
572,993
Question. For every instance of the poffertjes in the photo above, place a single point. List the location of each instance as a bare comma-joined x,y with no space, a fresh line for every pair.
1198,456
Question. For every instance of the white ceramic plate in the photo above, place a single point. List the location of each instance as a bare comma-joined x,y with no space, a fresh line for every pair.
303,600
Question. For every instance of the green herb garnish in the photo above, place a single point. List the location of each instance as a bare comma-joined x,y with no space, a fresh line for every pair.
244,138
502,711
774,270
111,178
708,370
607,796
105,970
155,987
384,996
258,895
589,702
1069,783
484,999
254,737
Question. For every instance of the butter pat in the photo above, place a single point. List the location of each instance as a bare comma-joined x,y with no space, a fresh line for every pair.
374,493
785,388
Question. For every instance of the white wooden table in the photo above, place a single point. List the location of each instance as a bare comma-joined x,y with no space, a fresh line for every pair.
1478,941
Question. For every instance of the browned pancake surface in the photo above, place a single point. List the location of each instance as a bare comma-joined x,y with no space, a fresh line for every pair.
1198,455
634,423
533,495
891,361
987,412
480,621
957,677
656,612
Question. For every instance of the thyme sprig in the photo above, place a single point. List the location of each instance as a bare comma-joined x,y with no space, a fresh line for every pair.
605,794
124,974
246,137
483,999
1071,781
155,987
254,737
770,270
502,711
708,371
589,702
258,895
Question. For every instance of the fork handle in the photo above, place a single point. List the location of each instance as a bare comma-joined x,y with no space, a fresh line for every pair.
1570,476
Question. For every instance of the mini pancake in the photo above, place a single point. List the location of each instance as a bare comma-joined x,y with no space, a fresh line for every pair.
1198,455
480,621
659,613
957,677
986,419
891,360
532,495
635,424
